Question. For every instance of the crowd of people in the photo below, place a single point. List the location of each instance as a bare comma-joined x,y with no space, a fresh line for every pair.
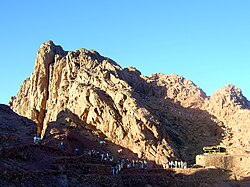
175,164
126,164
99,155
120,163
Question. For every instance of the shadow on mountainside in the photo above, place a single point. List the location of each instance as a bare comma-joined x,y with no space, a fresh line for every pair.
75,133
189,129
191,134
15,130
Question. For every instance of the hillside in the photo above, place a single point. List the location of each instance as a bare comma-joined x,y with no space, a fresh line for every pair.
24,164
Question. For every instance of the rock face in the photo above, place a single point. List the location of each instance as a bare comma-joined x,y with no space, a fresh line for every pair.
157,117
33,95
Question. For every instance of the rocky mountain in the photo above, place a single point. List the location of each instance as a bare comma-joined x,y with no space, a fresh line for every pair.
160,117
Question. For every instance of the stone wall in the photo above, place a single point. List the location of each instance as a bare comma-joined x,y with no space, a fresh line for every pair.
230,162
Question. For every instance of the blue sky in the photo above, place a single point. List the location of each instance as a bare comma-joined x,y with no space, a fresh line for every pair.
207,42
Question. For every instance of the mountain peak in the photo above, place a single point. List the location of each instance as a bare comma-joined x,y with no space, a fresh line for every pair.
49,47
49,42
230,96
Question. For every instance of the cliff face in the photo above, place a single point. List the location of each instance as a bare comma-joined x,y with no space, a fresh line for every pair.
32,98
157,117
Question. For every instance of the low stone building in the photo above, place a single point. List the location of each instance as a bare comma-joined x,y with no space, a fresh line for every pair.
229,162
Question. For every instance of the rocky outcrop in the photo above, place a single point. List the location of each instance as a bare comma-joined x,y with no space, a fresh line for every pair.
32,98
157,117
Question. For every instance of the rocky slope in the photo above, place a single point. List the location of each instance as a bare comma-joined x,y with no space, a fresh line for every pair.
15,130
159,117
24,164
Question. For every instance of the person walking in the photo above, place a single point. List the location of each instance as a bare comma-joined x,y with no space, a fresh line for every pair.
35,139
62,146
113,171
